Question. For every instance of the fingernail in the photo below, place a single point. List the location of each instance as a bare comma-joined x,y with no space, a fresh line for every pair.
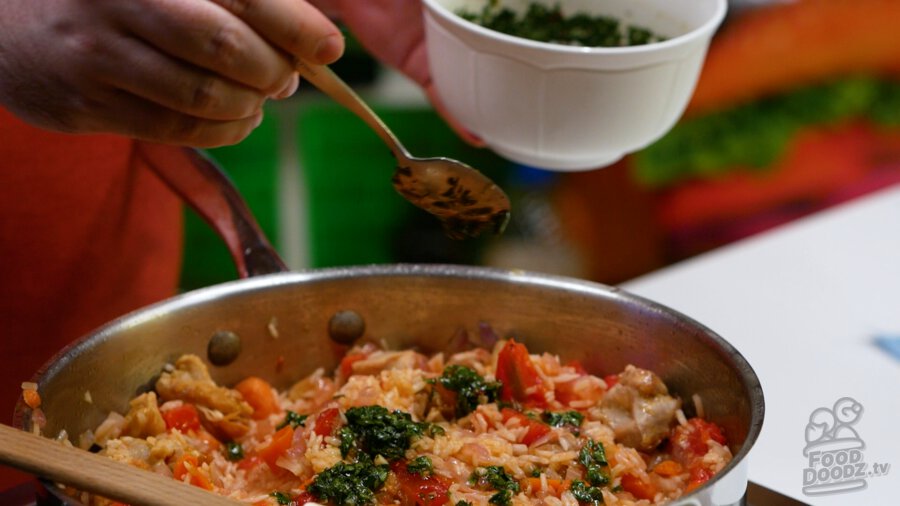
329,48
258,120
291,87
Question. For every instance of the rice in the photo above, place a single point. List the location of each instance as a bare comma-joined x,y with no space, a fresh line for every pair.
509,429
698,406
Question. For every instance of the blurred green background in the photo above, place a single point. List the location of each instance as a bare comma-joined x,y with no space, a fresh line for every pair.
353,214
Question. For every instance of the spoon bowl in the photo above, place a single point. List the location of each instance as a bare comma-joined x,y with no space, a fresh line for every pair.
463,199
466,201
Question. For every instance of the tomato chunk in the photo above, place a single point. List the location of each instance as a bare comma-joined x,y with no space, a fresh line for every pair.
346,367
211,442
578,389
303,498
521,381
639,488
327,422
699,476
184,418
536,429
420,489
611,380
188,467
688,444
250,461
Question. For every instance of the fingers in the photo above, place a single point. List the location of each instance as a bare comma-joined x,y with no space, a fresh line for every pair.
190,72
132,116
204,34
176,85
295,26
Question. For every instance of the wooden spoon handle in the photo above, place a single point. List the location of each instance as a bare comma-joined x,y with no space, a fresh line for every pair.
97,474
332,85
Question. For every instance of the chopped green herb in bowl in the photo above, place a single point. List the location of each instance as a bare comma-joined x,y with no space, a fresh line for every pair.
544,23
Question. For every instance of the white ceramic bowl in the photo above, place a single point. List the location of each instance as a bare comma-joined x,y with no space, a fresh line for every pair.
563,107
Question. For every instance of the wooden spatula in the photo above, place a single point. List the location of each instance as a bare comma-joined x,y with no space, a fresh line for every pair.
97,474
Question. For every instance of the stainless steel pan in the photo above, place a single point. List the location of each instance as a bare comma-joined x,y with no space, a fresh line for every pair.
281,323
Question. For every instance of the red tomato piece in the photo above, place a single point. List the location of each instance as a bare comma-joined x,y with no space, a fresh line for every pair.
688,445
611,380
688,442
189,466
699,476
347,362
564,393
184,418
536,429
637,487
303,498
212,443
327,422
250,462
521,381
420,490
578,390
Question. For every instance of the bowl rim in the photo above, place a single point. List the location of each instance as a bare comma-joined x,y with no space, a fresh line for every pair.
435,7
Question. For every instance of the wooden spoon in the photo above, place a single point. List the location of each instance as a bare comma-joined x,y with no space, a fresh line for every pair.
98,474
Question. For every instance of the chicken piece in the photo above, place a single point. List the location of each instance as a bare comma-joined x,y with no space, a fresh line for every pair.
168,447
223,411
151,454
132,451
143,418
639,409
128,450
387,360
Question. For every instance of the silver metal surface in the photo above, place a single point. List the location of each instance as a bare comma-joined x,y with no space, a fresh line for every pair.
405,305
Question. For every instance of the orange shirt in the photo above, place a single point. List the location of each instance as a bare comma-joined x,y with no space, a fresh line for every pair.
87,233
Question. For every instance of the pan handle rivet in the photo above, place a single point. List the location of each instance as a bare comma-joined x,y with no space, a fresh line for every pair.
346,326
223,348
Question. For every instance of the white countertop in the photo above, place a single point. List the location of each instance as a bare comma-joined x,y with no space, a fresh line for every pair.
803,303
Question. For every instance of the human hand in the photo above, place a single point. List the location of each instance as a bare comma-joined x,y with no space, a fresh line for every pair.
192,72
393,31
